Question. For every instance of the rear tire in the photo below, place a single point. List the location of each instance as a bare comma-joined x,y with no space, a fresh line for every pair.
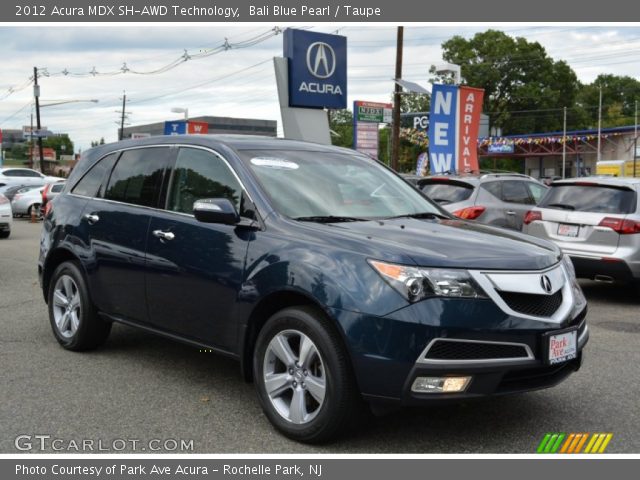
74,320
5,234
303,376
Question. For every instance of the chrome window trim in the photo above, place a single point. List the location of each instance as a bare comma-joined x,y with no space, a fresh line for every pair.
484,361
559,316
168,145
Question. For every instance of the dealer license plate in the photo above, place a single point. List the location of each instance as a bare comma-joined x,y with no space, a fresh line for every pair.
568,230
562,347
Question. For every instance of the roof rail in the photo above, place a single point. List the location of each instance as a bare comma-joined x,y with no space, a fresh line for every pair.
505,174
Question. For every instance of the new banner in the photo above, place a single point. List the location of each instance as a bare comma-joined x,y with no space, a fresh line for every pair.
470,107
453,130
317,69
442,129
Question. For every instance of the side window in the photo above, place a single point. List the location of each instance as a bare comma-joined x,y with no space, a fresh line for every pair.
57,188
514,191
30,173
494,188
89,184
137,177
12,173
200,174
537,191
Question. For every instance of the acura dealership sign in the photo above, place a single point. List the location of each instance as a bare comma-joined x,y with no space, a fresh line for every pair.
317,69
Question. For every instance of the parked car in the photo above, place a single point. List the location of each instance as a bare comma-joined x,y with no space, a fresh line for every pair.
549,180
24,176
27,199
49,192
10,191
6,217
499,199
325,274
596,221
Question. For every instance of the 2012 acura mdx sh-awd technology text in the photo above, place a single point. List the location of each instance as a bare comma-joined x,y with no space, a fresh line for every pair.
331,280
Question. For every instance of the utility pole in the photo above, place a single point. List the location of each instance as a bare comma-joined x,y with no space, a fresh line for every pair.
599,122
395,131
564,142
635,140
36,94
123,115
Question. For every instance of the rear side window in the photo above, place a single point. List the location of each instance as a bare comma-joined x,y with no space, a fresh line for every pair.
57,187
537,191
590,198
514,191
494,188
445,193
137,177
89,184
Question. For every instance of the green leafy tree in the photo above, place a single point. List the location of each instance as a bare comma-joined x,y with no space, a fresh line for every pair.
525,89
62,144
619,94
341,125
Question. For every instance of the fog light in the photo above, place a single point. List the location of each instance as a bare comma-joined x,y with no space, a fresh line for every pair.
440,384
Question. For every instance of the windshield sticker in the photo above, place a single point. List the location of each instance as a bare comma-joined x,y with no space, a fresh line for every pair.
270,162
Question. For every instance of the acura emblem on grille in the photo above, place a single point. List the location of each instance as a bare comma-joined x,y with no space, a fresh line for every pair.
545,282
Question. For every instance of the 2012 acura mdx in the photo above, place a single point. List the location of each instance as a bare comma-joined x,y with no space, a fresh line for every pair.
330,279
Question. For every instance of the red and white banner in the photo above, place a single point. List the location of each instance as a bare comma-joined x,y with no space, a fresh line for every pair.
469,110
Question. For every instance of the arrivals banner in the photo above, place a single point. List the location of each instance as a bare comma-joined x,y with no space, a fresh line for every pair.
453,130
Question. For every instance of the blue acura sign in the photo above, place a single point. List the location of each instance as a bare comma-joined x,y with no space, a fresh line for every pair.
317,69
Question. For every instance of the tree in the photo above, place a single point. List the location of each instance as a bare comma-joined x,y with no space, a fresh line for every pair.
95,143
414,102
619,95
524,88
341,126
62,144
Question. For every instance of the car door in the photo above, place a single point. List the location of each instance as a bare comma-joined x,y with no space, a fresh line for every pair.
117,224
194,269
517,201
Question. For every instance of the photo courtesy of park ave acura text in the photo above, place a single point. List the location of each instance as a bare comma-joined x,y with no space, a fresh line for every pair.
316,235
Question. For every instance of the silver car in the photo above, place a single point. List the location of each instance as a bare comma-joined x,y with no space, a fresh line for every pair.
499,199
596,221
24,176
26,200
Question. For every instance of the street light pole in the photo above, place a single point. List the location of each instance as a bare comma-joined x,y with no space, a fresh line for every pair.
395,131
635,140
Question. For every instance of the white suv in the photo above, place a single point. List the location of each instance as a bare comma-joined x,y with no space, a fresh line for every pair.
24,176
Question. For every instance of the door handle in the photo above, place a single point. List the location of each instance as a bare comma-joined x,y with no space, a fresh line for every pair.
510,212
91,218
163,235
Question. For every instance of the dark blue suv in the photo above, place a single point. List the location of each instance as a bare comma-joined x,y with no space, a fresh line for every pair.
332,280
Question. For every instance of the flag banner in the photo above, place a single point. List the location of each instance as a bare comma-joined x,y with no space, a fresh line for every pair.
469,110
442,128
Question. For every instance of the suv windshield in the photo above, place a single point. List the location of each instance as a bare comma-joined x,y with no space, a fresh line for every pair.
344,186
590,198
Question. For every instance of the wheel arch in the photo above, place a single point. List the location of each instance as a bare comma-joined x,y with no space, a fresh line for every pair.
264,309
54,259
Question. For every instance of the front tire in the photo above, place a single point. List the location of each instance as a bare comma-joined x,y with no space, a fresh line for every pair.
74,320
303,376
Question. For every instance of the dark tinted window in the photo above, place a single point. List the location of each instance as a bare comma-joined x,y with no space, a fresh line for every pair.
514,191
137,177
57,187
29,173
445,193
88,186
13,173
590,198
200,174
494,188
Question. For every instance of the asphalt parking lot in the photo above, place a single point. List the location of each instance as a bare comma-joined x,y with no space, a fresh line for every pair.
139,386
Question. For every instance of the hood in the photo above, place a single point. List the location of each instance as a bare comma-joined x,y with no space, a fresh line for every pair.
453,243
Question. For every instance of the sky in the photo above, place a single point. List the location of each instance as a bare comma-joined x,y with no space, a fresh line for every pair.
239,81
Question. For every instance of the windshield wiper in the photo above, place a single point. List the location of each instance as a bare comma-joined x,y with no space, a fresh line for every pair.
564,206
330,219
421,215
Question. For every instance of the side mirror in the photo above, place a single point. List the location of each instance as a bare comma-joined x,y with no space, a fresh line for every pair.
215,210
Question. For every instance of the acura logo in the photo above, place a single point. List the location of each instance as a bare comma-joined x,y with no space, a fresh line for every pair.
546,283
321,60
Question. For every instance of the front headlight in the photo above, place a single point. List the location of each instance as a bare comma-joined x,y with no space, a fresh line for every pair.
417,283
568,265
